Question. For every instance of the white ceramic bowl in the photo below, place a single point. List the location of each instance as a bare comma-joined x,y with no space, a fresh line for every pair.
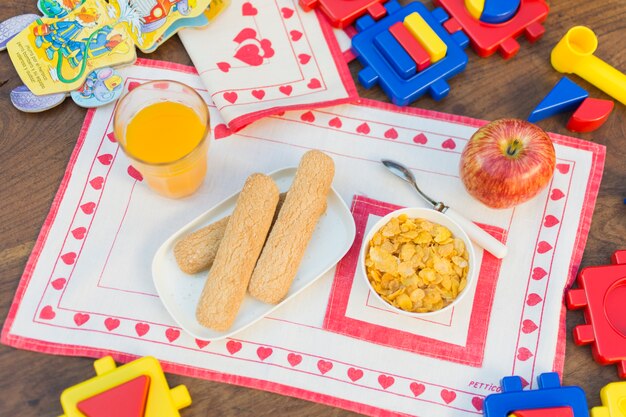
435,217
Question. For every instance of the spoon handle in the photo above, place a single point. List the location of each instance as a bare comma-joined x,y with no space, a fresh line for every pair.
478,235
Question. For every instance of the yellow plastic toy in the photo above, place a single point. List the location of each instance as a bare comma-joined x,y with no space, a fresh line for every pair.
574,55
137,389
426,36
475,8
613,397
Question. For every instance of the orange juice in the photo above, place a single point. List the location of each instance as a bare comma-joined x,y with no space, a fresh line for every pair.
163,127
163,132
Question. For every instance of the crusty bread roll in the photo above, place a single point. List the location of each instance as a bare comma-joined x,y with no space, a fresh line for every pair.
304,204
239,250
196,251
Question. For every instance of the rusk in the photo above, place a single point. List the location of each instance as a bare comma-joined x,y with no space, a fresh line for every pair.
196,251
304,204
245,233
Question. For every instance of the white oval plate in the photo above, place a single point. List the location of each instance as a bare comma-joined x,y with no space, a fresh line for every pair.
180,292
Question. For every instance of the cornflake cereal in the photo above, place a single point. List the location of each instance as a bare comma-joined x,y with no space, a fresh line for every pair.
416,265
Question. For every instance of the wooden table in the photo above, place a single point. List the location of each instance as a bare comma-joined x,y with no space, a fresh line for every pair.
35,149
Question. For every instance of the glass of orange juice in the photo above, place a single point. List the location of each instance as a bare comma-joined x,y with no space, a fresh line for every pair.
163,127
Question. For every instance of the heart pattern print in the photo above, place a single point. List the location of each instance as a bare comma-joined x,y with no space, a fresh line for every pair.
81,294
266,57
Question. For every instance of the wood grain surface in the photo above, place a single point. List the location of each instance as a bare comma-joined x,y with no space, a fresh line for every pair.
35,149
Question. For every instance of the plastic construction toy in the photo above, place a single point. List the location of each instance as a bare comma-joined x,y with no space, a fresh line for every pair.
544,412
379,69
492,11
486,38
565,96
574,55
613,398
601,292
591,114
342,13
137,389
550,395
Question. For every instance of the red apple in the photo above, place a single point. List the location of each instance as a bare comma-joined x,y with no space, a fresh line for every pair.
507,162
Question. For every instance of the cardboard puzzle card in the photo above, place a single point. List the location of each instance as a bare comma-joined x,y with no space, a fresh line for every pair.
56,55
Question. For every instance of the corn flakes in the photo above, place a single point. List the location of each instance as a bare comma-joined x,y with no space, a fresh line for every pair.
416,265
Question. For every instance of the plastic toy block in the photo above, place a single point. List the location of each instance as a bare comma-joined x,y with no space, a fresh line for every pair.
487,38
426,36
342,13
125,400
591,114
613,398
410,45
564,96
601,292
126,383
475,7
544,412
499,11
574,54
395,54
378,70
550,395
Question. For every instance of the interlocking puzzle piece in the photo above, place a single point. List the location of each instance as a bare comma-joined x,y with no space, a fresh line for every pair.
125,400
410,45
544,412
499,11
426,36
487,38
566,95
12,26
161,401
379,71
591,114
602,291
342,13
613,398
395,54
549,395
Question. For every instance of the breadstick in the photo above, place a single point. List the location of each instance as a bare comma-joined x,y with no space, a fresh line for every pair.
245,233
305,203
196,251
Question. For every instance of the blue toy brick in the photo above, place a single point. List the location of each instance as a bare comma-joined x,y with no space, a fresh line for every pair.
550,394
395,54
565,96
379,69
499,11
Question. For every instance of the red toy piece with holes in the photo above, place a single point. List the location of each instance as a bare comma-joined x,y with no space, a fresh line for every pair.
602,291
590,115
342,13
487,38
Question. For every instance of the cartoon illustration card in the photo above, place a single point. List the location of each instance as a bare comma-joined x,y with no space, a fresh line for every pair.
56,55
148,20
215,8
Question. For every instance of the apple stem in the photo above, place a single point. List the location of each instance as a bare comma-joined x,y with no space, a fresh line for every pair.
513,148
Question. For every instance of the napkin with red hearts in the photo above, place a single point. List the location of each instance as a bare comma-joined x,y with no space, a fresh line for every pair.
260,58
87,288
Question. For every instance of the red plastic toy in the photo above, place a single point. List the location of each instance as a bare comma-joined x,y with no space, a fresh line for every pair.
487,38
125,400
410,45
544,412
342,13
591,114
602,291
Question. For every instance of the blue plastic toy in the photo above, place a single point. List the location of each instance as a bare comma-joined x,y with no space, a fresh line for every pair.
549,395
380,67
565,96
499,11
395,54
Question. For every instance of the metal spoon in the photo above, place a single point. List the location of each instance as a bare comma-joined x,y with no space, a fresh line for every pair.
478,235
